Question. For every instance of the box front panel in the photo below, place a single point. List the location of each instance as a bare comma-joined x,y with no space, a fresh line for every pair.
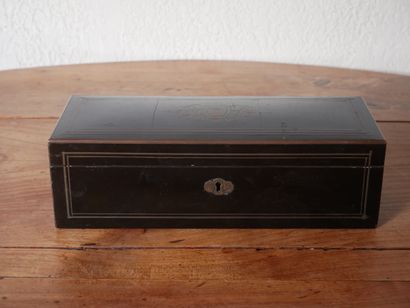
211,189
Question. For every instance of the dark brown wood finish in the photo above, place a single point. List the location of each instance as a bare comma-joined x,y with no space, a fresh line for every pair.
269,185
209,119
44,266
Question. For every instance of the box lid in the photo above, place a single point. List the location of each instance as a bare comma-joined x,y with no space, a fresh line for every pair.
216,119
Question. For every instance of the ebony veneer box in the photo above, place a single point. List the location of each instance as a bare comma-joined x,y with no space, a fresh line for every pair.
216,162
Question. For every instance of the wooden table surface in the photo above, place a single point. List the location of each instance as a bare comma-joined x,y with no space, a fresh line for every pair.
44,266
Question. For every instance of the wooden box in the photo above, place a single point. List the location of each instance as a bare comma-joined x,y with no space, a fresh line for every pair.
219,162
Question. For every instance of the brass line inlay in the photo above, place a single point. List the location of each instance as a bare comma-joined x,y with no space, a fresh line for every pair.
71,214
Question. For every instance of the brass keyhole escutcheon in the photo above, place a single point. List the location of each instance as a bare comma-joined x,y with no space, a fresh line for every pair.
218,187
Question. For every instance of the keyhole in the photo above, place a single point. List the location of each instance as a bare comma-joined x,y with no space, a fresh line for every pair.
217,186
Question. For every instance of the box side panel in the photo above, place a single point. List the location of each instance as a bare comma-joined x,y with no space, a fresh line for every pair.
58,186
376,171
59,197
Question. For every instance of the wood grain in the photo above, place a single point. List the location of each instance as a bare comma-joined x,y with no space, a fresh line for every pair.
207,263
43,92
48,292
44,266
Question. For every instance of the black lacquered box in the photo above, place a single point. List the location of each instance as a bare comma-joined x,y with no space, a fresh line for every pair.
216,162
